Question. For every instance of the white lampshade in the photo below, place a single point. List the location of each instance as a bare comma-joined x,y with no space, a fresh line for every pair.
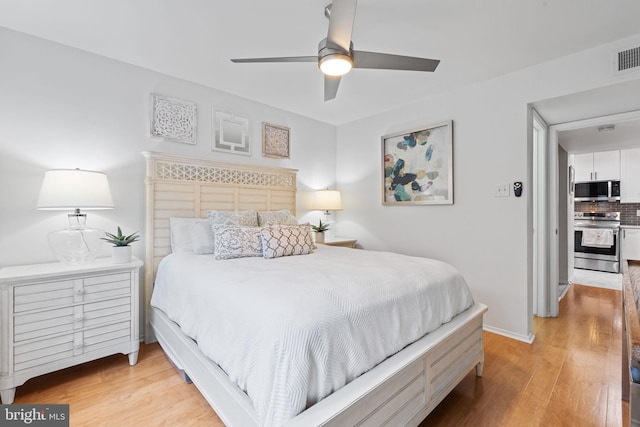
75,189
70,189
327,200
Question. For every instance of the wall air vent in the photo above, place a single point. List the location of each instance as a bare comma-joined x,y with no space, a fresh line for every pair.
627,60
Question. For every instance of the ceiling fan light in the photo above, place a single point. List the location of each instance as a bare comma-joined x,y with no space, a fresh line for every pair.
336,64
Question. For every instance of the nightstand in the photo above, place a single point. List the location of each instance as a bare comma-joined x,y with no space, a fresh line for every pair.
53,316
341,241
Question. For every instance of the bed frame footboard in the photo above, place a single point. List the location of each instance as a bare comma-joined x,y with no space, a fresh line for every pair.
401,391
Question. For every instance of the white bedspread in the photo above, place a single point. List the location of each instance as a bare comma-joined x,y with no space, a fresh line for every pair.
290,331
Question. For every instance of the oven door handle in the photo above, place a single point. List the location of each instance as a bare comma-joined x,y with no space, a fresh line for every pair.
615,230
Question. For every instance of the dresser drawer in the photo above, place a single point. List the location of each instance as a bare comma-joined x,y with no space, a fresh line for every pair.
108,286
34,325
52,349
42,296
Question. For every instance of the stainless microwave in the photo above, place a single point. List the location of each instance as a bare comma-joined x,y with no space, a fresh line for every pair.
594,191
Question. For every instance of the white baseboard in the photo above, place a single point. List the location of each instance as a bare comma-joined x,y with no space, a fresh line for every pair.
524,338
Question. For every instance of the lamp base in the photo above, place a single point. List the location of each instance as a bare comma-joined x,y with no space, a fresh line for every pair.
76,245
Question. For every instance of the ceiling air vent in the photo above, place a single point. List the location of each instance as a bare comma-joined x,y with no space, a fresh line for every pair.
626,60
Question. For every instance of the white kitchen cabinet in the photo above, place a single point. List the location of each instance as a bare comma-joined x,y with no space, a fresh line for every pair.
583,166
600,166
630,175
630,243
53,316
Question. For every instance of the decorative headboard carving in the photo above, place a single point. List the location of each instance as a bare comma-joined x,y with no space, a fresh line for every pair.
179,186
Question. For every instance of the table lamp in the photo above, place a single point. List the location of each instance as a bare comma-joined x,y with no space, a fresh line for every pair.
75,189
327,200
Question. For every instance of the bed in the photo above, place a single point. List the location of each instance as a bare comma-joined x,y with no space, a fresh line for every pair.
398,389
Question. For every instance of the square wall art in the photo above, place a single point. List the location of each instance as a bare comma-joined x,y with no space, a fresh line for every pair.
275,141
231,133
173,119
417,166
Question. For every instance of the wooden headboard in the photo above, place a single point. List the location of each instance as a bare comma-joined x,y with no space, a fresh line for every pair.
179,186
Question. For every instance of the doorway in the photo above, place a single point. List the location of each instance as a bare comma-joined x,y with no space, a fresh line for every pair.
560,207
567,110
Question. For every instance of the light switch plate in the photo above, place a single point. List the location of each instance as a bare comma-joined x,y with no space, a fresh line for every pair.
502,190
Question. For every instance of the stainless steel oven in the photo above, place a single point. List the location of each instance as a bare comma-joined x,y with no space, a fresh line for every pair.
603,252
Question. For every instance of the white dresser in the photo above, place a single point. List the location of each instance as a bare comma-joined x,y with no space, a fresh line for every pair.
53,316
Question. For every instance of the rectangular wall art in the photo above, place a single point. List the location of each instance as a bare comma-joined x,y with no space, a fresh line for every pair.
173,119
418,166
275,141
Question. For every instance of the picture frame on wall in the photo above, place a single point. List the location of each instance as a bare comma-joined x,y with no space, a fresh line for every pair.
275,141
417,166
231,133
173,119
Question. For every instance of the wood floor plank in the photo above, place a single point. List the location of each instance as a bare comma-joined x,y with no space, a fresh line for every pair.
572,371
569,376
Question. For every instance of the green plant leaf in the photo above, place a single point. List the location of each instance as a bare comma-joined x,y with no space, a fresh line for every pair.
120,239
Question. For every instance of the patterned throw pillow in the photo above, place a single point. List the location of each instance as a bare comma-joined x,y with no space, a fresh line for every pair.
248,218
285,240
282,217
237,242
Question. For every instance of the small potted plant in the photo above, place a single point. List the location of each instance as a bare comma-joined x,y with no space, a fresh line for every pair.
121,251
319,230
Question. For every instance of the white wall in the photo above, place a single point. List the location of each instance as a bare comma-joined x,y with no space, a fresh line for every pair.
487,238
65,108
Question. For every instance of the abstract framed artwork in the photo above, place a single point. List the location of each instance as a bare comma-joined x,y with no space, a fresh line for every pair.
275,141
231,133
417,166
173,119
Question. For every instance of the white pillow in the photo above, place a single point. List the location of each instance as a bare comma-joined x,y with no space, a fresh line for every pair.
286,240
237,242
179,229
247,218
282,217
201,237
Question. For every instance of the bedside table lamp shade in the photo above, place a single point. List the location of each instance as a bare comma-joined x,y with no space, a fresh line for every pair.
327,200
75,189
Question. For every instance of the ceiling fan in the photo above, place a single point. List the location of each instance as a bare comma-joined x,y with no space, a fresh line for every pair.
336,56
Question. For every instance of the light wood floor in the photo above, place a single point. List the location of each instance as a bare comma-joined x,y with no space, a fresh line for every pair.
570,376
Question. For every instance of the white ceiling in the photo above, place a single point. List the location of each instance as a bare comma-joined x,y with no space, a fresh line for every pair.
607,105
626,134
194,40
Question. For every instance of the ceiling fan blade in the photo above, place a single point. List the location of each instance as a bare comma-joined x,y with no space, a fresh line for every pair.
330,87
343,13
386,61
280,59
